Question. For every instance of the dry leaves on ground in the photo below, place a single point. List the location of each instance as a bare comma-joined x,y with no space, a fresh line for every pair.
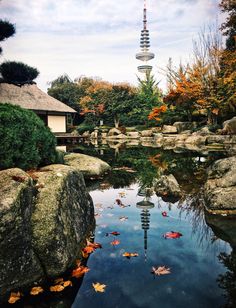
36,290
14,297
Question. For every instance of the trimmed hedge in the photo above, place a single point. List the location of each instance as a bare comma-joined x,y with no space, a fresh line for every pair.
18,72
25,142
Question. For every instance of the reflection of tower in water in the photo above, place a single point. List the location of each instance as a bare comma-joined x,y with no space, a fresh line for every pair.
145,205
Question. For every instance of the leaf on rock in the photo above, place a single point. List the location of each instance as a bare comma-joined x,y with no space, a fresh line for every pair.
115,242
80,271
67,283
36,290
130,254
14,297
57,288
161,270
98,287
93,245
172,234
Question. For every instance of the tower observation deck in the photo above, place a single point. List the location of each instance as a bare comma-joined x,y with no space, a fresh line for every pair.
144,54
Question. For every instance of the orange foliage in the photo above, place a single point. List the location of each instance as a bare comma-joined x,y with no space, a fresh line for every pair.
156,111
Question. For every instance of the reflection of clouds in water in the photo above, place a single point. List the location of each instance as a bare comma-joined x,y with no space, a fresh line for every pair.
169,290
113,255
136,228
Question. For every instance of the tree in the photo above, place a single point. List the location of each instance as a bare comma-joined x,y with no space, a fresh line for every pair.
18,72
229,27
7,30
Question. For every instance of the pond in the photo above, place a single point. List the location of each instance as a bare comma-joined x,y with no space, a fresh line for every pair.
201,262
194,266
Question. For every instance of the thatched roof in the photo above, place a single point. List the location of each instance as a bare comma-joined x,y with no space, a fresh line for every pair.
29,96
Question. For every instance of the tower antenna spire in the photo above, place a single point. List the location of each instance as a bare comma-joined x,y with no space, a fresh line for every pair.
144,54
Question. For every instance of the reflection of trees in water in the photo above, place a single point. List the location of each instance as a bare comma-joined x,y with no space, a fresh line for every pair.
227,281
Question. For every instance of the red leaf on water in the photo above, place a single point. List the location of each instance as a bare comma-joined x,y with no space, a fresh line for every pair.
164,214
115,242
172,234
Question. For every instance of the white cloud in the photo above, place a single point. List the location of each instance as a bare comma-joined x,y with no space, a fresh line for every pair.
100,37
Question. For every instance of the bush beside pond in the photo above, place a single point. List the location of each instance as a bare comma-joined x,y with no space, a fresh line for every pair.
25,141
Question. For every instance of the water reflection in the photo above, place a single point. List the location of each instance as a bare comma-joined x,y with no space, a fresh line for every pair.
145,205
225,229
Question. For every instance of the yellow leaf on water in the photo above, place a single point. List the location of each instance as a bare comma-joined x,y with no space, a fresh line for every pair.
57,288
14,297
99,287
36,290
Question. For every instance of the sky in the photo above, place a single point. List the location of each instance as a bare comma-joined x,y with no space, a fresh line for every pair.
100,37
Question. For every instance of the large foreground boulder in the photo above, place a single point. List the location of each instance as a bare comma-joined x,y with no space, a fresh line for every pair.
19,264
43,223
220,188
88,165
62,217
168,188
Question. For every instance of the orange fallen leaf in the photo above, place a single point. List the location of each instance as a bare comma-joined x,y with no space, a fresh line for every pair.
115,242
57,288
88,249
161,270
36,290
99,287
67,283
14,297
93,245
80,271
130,254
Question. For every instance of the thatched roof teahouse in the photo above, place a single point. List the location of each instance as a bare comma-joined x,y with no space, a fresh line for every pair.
53,112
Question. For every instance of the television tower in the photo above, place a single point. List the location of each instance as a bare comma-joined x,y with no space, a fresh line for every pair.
144,55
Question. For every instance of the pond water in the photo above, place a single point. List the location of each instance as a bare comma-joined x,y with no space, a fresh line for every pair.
201,262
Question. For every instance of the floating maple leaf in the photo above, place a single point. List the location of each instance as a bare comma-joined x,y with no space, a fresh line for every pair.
115,233
98,287
123,218
79,271
161,270
122,194
115,242
14,297
130,254
36,290
164,214
119,202
172,234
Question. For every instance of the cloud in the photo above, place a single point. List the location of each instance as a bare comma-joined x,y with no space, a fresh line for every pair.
100,38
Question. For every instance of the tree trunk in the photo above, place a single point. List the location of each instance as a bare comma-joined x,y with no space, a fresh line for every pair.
116,121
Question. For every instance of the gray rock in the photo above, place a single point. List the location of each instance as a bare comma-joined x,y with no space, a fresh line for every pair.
62,218
217,139
169,129
220,188
229,126
86,134
146,133
204,131
133,135
113,132
88,165
168,188
19,264
196,140
183,126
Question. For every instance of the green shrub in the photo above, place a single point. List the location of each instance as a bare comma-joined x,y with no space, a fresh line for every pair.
85,127
25,141
18,72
